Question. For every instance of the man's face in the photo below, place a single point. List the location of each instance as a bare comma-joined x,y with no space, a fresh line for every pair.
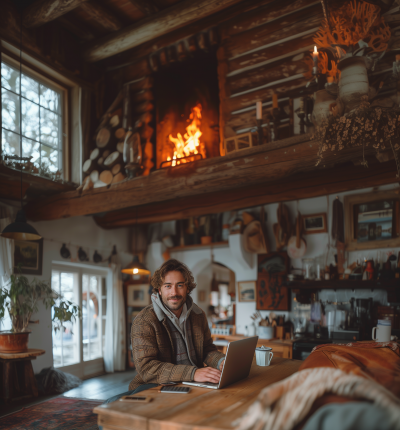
174,291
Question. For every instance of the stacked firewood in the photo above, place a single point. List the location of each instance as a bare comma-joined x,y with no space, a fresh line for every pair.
128,117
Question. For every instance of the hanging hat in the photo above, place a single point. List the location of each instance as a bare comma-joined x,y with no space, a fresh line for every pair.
254,240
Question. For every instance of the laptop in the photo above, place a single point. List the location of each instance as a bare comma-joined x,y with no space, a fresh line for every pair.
238,359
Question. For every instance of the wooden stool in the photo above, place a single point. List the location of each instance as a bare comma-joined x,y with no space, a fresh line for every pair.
16,374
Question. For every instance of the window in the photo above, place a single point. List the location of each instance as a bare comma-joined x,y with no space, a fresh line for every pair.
42,119
80,347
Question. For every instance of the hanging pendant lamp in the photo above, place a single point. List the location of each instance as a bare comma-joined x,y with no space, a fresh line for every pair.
136,267
19,229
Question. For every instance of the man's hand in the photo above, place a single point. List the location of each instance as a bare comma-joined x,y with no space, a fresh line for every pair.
207,374
221,366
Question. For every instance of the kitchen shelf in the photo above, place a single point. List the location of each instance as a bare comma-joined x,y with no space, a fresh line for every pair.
199,246
345,284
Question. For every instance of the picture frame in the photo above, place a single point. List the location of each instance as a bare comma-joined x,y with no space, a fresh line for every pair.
28,257
372,220
271,291
137,295
247,291
315,223
202,295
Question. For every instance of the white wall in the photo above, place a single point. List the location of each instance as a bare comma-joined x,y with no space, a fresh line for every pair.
75,232
317,244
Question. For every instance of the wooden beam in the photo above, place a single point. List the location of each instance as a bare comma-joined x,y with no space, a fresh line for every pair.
42,11
101,16
147,7
163,22
300,186
248,167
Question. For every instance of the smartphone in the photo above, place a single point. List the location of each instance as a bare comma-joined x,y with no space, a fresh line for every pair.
139,399
175,390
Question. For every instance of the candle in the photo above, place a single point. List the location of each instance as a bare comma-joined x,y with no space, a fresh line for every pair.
315,56
274,100
259,110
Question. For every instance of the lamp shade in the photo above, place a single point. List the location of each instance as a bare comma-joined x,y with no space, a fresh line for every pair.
136,268
20,229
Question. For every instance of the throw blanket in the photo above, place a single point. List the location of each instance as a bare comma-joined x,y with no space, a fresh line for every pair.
283,405
286,404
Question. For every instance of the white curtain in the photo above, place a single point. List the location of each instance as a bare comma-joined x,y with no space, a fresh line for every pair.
6,259
115,340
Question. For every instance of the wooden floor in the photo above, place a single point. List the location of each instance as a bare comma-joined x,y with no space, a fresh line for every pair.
99,388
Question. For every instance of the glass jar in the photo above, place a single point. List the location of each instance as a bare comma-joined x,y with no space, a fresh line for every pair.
308,268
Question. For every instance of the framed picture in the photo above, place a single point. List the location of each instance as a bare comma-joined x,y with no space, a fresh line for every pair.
315,223
137,295
28,257
202,296
372,220
247,291
271,293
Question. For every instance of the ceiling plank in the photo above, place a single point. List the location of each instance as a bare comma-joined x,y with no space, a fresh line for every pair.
102,16
249,167
300,186
42,11
80,30
154,26
147,7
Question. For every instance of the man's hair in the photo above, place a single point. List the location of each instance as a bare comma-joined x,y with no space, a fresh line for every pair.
172,265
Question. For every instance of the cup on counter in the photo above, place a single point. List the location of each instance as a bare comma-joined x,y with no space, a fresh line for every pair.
382,331
264,356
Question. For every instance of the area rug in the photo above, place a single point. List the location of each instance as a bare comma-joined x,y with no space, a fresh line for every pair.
59,413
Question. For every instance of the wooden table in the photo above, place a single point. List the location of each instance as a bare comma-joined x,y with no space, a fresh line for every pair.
280,347
202,407
16,374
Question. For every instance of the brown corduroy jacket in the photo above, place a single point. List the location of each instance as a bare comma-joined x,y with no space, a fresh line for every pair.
153,351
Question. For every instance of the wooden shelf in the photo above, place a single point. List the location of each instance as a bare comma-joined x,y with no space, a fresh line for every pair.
345,284
199,246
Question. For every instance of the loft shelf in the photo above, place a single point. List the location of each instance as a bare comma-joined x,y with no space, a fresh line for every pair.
345,284
199,246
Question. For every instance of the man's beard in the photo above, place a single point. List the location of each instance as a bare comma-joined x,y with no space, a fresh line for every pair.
173,307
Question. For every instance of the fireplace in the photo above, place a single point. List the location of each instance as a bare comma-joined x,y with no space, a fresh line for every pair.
187,110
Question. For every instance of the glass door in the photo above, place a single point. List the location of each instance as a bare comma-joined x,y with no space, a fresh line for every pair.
79,348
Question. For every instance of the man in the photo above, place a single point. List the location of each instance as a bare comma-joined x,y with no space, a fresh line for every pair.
171,339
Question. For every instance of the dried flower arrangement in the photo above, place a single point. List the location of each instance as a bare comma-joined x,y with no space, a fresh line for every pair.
323,67
353,22
366,126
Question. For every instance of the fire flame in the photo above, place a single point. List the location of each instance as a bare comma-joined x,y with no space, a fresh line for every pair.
190,143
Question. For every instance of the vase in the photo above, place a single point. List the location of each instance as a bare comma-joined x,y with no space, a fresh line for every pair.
14,342
322,102
353,82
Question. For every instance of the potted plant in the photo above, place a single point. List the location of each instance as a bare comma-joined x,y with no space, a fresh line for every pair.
21,301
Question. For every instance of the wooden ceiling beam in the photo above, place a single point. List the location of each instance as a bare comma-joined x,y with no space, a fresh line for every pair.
101,16
299,186
154,26
42,11
247,168
147,7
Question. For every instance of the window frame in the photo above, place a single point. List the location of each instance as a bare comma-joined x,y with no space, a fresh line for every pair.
40,76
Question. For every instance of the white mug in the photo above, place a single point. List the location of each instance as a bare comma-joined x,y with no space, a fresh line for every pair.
264,356
382,332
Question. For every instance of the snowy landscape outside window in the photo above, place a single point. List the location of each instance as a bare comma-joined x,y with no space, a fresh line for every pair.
41,121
